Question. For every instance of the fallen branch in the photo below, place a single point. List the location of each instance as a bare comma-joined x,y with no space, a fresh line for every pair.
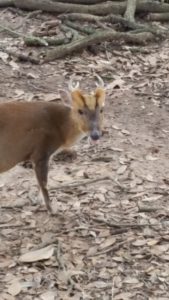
10,225
54,41
59,41
158,17
22,56
32,40
86,2
95,9
113,248
28,16
58,7
50,24
143,208
82,183
114,19
133,25
87,30
35,41
10,31
97,37
110,223
91,181
29,40
6,3
80,17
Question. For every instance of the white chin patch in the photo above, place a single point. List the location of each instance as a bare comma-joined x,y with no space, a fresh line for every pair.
92,142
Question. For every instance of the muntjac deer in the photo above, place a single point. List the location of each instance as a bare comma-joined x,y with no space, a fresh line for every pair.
33,131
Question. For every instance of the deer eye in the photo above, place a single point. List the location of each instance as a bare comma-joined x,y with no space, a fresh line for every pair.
101,110
80,112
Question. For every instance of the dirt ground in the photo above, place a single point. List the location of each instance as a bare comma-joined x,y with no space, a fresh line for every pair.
110,238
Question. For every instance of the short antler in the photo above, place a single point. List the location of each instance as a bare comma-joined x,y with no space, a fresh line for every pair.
72,85
100,82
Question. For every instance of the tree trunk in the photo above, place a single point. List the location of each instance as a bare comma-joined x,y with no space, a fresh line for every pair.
130,10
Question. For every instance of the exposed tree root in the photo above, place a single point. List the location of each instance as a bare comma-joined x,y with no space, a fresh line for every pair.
113,19
35,41
97,37
6,3
86,2
23,57
163,17
57,7
69,33
87,30
130,10
95,9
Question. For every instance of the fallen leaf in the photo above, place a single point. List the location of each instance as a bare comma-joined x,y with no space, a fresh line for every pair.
124,131
152,60
14,65
140,242
123,296
152,242
107,243
165,257
99,197
92,251
99,284
6,296
121,170
19,93
41,254
15,288
159,249
117,83
4,56
51,97
32,75
48,295
131,280
150,157
149,178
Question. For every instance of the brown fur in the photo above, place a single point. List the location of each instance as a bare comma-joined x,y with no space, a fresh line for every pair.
34,130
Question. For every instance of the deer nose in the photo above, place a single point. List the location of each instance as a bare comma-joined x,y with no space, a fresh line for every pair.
95,135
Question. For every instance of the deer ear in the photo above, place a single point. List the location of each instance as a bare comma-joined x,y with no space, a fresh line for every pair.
77,97
100,95
65,98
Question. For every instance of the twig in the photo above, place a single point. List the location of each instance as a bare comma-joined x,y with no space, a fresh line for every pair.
119,231
110,249
11,225
87,30
29,40
125,225
82,183
74,229
11,32
29,15
142,208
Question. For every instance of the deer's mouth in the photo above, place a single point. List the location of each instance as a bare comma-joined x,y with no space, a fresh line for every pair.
92,141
